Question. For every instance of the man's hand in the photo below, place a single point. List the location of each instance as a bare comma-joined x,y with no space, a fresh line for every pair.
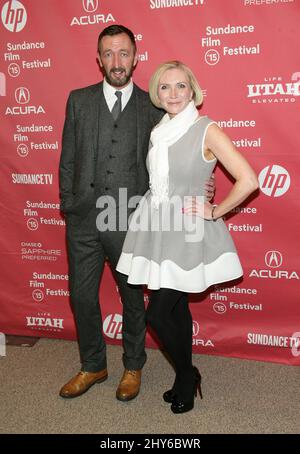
210,188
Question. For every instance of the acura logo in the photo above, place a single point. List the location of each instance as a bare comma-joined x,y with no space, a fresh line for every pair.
22,95
90,5
196,328
273,259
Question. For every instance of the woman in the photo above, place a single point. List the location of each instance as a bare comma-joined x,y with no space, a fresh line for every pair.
174,261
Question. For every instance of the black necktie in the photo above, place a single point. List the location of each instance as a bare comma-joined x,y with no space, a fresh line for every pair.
117,108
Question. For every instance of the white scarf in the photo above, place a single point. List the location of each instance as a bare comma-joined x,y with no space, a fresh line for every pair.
166,133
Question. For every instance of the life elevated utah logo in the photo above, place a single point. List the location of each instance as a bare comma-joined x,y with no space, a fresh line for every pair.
274,90
22,97
92,17
14,16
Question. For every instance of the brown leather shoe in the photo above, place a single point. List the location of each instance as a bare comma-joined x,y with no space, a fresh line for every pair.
82,383
129,386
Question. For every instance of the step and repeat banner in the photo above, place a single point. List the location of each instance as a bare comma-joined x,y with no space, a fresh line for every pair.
245,54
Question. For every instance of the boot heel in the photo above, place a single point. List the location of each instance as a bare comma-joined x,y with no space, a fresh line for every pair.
199,390
198,383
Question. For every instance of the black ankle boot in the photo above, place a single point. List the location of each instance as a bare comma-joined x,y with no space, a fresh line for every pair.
169,396
180,406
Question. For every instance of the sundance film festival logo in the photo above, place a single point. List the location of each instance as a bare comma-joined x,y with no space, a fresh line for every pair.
32,224
13,70
14,16
212,57
113,325
22,150
219,308
38,295
274,181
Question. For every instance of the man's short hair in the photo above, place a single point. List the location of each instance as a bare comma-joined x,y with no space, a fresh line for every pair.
117,30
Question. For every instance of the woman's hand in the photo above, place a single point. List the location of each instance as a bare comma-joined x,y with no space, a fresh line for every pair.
210,188
196,207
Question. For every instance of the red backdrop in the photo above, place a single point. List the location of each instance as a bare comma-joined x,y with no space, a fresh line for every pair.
245,54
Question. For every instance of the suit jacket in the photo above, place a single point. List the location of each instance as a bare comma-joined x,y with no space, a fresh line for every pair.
80,145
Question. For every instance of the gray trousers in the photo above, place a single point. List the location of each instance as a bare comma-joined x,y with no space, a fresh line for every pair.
87,251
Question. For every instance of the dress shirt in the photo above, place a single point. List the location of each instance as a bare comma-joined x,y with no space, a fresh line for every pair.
110,97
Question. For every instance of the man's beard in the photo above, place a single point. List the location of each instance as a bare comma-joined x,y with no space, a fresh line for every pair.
118,82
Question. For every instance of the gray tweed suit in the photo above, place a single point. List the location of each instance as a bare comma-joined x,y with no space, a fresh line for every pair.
99,156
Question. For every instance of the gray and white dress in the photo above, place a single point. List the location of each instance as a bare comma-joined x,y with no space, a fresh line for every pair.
161,249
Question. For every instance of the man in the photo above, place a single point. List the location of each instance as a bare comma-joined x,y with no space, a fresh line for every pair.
105,143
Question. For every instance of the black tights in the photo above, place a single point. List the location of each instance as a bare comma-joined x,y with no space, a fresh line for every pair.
169,315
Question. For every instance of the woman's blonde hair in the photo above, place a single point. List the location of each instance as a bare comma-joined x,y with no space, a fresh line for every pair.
154,81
